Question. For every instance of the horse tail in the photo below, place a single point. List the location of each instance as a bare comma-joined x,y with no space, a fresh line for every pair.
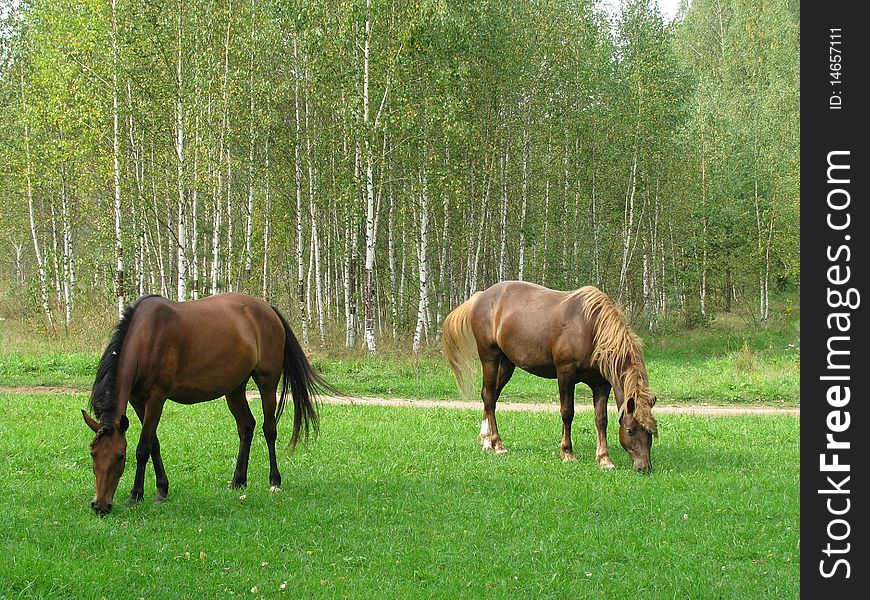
460,347
104,399
304,384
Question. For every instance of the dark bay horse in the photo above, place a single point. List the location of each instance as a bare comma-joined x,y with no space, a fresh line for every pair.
572,337
192,352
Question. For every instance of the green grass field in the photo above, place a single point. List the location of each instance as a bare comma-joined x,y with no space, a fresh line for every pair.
401,503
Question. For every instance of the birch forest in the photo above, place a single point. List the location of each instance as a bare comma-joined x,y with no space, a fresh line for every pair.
366,165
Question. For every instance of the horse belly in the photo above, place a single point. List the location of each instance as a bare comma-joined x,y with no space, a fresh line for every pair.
526,346
207,377
545,371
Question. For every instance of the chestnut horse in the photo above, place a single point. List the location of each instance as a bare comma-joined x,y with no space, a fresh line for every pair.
192,352
572,337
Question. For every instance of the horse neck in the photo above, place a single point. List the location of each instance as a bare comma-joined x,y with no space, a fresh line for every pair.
632,374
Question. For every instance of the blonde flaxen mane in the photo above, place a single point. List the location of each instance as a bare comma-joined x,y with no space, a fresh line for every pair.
618,353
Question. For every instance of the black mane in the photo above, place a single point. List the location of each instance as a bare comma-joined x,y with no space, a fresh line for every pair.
104,400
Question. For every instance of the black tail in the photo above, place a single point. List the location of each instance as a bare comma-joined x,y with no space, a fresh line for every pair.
103,399
304,384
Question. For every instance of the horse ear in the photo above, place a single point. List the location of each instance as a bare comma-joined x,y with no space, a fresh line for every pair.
90,421
125,423
654,400
629,408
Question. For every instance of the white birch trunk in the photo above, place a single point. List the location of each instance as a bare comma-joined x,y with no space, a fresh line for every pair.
157,247
349,325
55,254
116,171
627,227
297,161
138,205
228,259
702,288
181,220
352,239
67,260
267,227
502,256
217,222
423,304
596,233
249,212
194,209
311,151
369,291
442,271
525,195
391,264
484,218
19,261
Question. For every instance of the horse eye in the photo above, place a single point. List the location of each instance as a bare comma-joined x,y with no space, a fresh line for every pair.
631,432
121,457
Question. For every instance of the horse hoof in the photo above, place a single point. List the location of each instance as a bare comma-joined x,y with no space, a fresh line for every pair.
235,485
500,449
568,457
135,498
274,488
158,498
486,444
607,465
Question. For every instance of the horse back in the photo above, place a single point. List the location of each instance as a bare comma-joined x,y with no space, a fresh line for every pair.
538,329
200,350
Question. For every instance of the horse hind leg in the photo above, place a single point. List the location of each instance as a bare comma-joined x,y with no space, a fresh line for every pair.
496,374
268,394
237,402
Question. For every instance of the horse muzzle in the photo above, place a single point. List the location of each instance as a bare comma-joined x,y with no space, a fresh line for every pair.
643,466
101,509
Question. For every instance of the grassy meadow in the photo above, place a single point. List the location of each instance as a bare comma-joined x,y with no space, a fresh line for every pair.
401,503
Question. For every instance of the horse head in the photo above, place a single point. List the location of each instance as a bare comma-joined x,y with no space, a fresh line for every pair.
636,431
109,455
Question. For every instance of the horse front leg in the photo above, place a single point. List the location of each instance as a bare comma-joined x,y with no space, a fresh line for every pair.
153,409
599,399
156,459
159,472
566,409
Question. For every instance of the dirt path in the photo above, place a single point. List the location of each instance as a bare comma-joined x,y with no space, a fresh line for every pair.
552,407
705,410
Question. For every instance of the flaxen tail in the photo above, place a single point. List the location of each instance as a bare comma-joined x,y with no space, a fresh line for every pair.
460,347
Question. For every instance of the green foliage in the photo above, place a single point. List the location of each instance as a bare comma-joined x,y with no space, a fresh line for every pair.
399,503
659,161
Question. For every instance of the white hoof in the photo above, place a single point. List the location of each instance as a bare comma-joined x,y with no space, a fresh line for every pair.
606,464
275,488
487,443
